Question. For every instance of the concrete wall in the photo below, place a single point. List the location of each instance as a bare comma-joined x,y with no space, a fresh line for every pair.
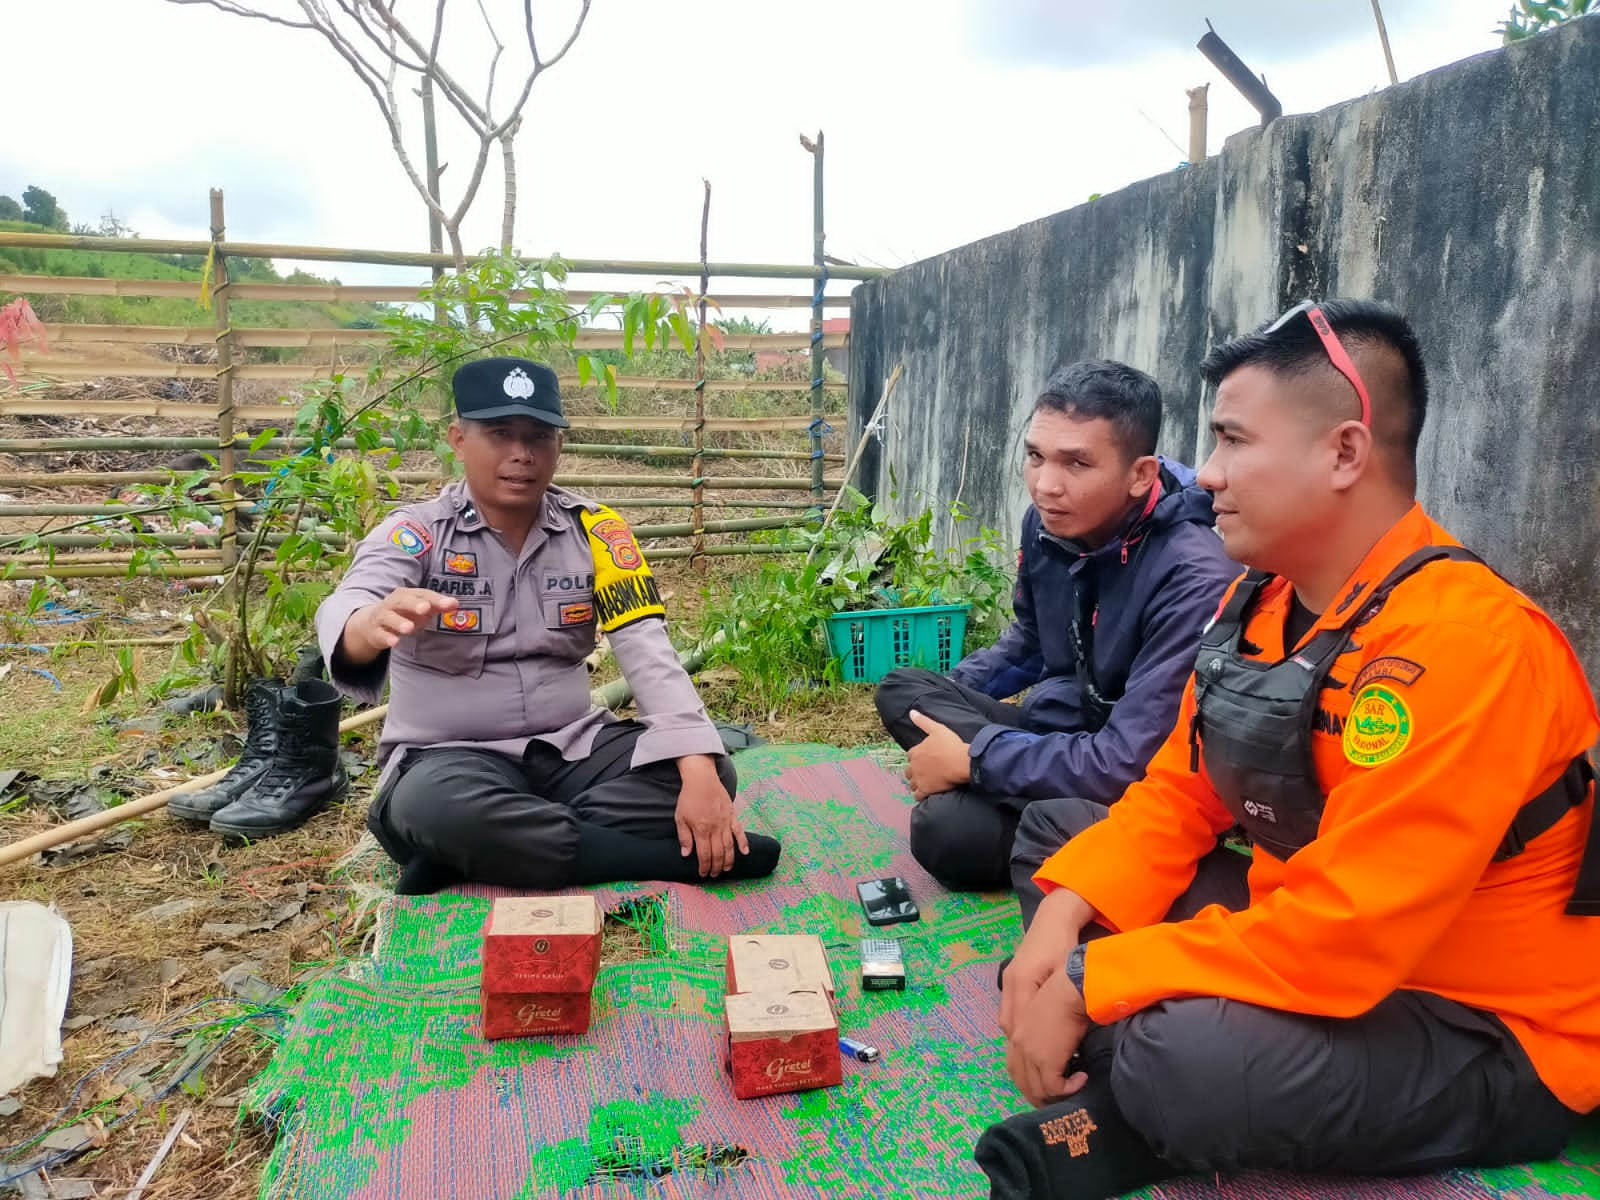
1469,198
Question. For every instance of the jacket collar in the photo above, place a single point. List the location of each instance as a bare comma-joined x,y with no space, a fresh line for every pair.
1411,532
469,517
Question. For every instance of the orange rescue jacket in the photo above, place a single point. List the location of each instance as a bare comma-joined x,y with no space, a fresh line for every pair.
1398,889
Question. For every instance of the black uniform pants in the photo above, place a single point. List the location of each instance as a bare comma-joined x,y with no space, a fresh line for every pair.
1417,1083
494,819
1047,825
961,837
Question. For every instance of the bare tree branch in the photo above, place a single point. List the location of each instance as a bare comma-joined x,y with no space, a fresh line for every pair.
438,32
460,99
538,64
577,28
494,63
377,45
356,11
233,8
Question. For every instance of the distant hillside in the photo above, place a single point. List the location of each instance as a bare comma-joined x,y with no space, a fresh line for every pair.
114,310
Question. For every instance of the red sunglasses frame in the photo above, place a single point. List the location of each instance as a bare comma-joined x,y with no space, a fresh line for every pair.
1337,355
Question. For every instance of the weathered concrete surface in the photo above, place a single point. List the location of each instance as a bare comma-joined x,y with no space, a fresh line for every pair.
1469,198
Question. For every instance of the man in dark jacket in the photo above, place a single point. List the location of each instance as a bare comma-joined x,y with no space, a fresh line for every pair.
1118,572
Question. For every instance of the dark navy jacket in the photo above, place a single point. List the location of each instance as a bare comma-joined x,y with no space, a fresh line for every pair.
1151,589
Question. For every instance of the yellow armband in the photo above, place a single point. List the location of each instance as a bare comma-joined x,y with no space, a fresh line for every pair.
624,589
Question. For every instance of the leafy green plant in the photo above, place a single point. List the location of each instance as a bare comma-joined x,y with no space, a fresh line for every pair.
317,503
1529,17
768,626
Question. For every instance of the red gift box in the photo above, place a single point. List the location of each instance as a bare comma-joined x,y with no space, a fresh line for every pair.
777,962
541,945
534,1014
782,1042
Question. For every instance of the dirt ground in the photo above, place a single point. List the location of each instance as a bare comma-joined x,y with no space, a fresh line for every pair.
184,946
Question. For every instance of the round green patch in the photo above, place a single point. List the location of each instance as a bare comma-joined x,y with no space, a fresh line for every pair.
1378,727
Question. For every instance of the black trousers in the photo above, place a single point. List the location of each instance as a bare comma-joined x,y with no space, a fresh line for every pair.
961,837
1417,1083
494,819
1047,825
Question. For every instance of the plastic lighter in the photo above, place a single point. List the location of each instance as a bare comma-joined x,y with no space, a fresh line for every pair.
858,1050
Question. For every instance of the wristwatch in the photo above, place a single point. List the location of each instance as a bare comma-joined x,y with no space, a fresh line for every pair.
1075,967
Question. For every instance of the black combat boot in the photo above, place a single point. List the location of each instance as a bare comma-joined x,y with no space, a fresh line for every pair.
260,744
305,773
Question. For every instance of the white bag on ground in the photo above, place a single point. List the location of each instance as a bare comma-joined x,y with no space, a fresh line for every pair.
35,974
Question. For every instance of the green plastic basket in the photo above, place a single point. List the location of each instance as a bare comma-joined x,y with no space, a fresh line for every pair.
872,643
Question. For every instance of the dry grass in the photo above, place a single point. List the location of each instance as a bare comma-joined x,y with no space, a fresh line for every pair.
131,968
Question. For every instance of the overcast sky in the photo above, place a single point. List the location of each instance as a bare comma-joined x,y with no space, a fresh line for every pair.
946,120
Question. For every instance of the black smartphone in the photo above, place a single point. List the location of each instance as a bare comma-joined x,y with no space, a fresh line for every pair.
887,901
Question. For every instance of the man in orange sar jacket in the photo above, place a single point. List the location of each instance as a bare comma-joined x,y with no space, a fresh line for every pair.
1408,977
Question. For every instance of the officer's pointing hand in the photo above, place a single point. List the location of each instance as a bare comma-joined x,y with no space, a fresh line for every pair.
400,614
938,762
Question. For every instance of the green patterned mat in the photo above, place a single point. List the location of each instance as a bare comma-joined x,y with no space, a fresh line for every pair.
384,1089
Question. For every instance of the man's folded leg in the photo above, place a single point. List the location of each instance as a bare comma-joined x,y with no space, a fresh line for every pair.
963,709
626,815
456,814
963,839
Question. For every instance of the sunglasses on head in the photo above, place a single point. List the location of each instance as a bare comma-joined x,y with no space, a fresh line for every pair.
1337,355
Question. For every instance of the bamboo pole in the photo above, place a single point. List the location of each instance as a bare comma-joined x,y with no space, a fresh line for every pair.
198,570
784,483
403,258
334,293
820,263
201,541
104,510
72,334
209,445
183,411
36,367
697,469
219,302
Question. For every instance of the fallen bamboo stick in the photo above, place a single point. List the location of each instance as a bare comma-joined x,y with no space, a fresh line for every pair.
83,826
612,695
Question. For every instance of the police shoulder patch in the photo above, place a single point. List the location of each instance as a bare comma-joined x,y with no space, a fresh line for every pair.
412,537
624,589
1378,728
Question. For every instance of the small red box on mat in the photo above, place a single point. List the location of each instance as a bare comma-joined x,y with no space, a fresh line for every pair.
534,1014
782,1042
777,962
541,944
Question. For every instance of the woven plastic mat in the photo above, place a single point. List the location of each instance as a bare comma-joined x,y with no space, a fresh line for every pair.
385,1090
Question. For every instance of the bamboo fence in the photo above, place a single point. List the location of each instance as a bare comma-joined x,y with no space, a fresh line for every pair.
77,351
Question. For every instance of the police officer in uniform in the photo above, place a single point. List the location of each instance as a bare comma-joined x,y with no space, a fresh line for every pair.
478,607
1405,978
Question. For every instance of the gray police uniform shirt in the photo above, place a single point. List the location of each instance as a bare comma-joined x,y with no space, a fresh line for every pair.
507,666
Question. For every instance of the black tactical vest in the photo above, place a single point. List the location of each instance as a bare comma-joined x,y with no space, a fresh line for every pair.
1253,724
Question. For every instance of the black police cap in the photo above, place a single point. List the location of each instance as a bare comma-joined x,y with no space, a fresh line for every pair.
508,387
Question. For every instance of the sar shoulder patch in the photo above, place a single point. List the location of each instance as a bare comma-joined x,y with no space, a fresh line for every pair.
624,589
1401,670
1378,727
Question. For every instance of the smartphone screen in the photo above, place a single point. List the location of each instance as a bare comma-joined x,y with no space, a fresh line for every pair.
887,901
